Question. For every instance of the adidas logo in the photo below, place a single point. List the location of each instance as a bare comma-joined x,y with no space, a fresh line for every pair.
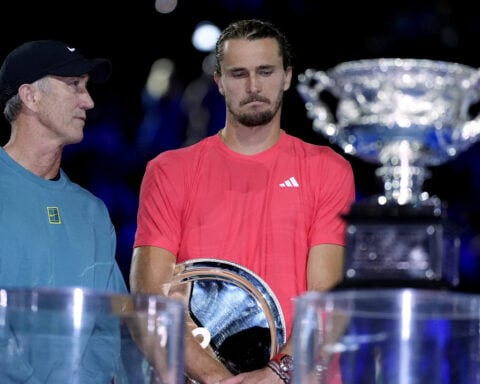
290,183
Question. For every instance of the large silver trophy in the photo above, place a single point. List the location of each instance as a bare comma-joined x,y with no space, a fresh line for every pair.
404,115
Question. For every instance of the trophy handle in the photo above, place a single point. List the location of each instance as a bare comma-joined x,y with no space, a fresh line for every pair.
312,84
469,134
235,310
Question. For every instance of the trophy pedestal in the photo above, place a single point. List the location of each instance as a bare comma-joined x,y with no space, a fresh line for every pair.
400,246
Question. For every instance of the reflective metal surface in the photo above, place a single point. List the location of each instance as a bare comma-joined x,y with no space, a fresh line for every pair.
237,313
405,114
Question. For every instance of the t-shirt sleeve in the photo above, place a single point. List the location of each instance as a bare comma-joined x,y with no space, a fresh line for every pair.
158,217
334,196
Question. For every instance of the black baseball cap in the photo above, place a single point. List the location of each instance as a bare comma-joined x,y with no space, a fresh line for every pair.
36,59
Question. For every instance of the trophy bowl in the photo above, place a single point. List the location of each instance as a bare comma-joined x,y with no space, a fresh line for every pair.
79,335
403,114
389,336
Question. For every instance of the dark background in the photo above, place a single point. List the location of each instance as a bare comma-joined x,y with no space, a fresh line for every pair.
132,35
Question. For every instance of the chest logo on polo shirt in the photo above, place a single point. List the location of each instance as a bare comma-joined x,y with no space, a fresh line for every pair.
290,183
54,215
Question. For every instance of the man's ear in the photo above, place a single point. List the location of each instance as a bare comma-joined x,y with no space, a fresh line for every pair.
217,79
288,78
27,92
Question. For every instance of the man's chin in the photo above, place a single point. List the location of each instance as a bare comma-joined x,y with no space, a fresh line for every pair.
254,120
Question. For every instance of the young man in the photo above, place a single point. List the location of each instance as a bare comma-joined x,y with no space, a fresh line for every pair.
252,195
53,232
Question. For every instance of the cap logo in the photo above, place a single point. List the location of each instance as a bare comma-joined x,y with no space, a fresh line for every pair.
71,49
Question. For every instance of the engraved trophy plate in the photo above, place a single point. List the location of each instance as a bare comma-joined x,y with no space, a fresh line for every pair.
404,115
237,313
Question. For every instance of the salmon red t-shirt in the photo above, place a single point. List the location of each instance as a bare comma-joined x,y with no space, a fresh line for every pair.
262,211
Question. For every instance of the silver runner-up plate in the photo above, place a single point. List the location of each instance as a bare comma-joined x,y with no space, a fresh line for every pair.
237,313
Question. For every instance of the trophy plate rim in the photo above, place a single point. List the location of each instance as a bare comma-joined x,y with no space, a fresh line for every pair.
221,284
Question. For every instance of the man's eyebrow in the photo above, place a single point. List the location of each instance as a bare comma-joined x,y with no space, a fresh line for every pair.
263,66
266,66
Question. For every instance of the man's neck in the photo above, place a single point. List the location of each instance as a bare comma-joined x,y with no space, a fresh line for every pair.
250,140
43,164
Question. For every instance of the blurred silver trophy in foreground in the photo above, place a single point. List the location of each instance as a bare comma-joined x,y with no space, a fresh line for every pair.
404,115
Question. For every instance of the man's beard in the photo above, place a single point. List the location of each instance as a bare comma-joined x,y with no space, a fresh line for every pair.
258,118
255,119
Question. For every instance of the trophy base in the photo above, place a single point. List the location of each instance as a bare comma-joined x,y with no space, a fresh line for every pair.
400,246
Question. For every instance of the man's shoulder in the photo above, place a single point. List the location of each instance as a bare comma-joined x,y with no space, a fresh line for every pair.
179,156
313,148
80,193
